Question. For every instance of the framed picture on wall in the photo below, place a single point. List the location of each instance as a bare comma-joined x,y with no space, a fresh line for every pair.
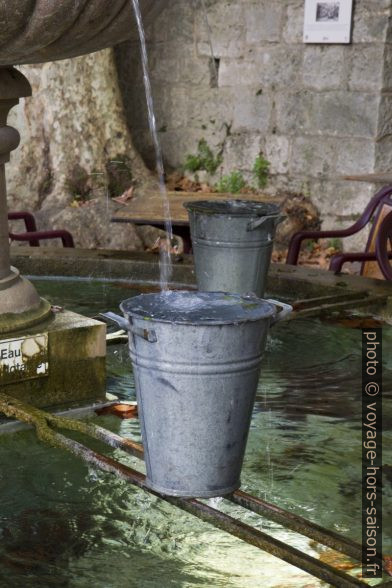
328,21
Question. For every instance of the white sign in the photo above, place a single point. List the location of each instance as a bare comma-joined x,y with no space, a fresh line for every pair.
23,358
328,21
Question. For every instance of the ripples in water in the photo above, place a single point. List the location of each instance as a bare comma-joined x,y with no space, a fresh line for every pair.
65,524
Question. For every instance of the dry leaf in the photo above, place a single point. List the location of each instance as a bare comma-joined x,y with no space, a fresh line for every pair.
122,411
388,564
125,197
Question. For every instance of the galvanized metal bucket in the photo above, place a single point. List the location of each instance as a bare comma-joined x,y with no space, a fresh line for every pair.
232,244
196,359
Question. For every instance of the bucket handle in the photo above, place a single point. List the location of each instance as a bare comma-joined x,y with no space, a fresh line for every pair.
282,314
147,334
255,224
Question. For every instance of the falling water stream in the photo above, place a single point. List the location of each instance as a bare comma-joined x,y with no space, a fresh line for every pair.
165,259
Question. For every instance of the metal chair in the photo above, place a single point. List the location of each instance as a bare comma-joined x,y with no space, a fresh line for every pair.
384,246
33,236
376,211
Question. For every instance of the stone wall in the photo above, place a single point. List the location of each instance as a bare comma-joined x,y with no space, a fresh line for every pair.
317,112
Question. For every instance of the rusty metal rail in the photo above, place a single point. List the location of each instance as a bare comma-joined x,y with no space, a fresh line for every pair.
46,422
218,519
265,509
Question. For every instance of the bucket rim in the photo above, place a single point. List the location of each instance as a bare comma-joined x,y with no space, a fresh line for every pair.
234,207
258,309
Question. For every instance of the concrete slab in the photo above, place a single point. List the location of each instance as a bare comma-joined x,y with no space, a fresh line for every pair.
59,362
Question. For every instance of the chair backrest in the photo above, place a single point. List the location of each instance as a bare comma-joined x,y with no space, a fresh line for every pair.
384,246
371,269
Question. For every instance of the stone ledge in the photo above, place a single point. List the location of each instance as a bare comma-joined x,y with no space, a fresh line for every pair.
76,363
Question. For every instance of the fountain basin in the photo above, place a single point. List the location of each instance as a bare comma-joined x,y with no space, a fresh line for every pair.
40,31
297,457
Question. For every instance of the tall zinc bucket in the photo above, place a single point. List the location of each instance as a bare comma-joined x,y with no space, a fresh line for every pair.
196,359
232,244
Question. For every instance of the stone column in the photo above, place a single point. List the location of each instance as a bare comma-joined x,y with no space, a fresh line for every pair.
20,305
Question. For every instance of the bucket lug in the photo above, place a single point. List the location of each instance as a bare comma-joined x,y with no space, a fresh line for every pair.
286,309
147,334
255,224
115,318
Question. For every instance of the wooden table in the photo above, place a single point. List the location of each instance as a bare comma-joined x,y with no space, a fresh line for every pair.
149,210
376,178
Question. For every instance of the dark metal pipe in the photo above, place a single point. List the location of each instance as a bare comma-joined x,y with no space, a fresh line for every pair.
339,259
65,236
29,221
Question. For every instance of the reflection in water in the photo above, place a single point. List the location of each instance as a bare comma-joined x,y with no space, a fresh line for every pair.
65,524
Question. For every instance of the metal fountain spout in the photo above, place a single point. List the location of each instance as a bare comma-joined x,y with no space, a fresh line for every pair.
35,32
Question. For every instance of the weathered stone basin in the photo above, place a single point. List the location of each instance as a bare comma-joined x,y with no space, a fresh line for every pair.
35,31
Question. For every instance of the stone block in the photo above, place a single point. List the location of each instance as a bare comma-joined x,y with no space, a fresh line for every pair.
371,23
277,152
365,67
350,114
387,73
270,65
225,28
354,156
323,67
76,363
263,21
294,25
229,47
241,152
331,156
313,156
176,63
346,200
252,111
210,107
294,111
383,154
177,19
384,116
238,72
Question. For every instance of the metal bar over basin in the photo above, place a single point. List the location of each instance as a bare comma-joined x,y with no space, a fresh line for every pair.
45,422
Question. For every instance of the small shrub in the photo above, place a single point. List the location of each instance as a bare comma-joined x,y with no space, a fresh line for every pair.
261,171
204,159
232,183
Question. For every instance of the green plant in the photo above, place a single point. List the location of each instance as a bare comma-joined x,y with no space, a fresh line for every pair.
261,170
232,183
335,243
204,159
310,244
